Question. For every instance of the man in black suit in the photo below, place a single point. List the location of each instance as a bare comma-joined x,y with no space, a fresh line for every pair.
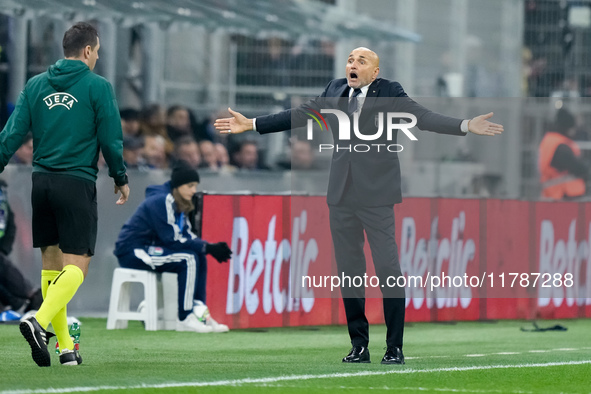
364,186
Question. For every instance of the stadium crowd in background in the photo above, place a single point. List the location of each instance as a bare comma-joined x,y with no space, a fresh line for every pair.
153,140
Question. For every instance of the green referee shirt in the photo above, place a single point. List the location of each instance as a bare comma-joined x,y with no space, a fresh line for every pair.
72,114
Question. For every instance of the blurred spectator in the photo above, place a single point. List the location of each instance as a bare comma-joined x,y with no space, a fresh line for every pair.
16,292
178,122
209,155
153,122
223,158
302,155
247,156
276,63
132,152
187,150
204,131
130,122
24,154
155,152
562,172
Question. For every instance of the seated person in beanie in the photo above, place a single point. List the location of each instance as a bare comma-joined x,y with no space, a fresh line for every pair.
159,237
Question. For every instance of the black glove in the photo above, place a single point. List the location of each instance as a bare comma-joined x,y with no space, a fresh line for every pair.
220,251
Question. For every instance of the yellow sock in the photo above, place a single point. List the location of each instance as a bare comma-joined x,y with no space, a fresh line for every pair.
59,293
47,276
60,320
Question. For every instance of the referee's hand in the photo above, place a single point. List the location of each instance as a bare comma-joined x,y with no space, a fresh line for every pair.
238,123
124,194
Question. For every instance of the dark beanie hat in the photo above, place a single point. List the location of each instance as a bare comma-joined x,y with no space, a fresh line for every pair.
182,173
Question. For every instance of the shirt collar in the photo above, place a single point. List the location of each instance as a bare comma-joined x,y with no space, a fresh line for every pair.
364,90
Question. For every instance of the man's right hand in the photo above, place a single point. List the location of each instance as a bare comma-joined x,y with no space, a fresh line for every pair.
237,124
124,194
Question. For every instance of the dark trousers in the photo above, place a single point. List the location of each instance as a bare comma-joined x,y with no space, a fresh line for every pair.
190,267
14,288
348,220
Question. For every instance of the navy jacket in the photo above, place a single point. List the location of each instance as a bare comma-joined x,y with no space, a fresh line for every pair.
156,222
374,176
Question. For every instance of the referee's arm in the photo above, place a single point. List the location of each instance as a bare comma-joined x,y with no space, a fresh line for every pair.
19,124
110,135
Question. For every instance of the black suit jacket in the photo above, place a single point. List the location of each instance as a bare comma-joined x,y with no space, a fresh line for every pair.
374,176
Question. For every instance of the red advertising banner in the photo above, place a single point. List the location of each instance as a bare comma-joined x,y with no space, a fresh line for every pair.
502,252
562,256
507,247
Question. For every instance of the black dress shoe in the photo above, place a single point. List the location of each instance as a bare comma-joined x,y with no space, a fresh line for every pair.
393,356
358,354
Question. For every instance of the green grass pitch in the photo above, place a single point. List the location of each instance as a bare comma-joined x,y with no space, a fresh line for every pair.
467,357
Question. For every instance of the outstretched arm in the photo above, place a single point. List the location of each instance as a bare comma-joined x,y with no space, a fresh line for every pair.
237,124
480,125
281,121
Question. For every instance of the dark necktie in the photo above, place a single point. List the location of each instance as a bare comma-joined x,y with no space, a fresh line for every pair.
354,101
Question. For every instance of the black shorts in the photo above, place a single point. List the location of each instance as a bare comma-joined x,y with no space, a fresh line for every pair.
64,213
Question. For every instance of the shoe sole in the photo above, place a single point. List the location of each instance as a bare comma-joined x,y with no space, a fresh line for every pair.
77,361
70,360
39,356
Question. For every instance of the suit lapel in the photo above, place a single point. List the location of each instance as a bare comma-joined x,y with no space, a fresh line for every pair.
343,91
343,97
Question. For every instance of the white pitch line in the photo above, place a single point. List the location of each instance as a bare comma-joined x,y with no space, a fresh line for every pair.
420,357
383,388
239,382
564,349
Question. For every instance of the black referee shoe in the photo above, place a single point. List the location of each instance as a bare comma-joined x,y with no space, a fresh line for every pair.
358,354
37,338
393,356
70,357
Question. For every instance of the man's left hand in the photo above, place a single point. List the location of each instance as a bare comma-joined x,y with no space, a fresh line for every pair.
481,126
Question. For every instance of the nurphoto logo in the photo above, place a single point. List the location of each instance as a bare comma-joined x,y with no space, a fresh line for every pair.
344,131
